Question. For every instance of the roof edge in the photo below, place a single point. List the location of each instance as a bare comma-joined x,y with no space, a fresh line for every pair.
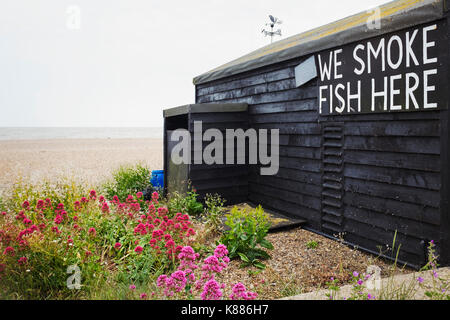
419,12
205,108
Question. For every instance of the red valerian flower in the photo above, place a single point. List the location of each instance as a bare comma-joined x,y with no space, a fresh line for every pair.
55,229
9,251
105,207
58,219
92,231
138,249
40,204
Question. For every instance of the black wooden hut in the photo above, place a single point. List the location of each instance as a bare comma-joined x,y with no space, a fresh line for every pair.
362,110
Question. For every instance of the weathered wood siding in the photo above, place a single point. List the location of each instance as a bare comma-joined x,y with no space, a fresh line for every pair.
379,174
230,181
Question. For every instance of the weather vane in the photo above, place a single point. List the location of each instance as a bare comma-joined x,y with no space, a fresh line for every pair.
271,33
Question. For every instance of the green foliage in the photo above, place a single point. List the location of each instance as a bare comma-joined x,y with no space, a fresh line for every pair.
185,204
333,287
246,237
64,191
50,227
312,244
2,204
127,180
214,212
44,275
291,288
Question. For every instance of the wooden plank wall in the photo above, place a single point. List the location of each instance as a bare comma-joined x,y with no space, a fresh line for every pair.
392,181
391,168
275,103
230,181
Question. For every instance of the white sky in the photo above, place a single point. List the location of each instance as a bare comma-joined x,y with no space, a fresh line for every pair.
131,59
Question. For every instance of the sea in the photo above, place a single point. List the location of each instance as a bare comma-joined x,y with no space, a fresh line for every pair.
39,133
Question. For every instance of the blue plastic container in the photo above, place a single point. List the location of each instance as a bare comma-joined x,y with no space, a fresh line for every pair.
157,179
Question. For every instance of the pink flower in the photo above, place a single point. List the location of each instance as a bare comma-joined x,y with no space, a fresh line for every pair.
3,213
58,219
161,281
155,196
55,229
211,291
117,245
26,204
9,250
240,292
22,260
141,229
176,282
143,296
88,253
40,204
187,258
132,287
105,207
170,244
92,231
167,237
138,249
139,195
93,194
179,280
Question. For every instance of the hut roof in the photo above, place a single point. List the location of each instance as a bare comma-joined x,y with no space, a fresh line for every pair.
395,15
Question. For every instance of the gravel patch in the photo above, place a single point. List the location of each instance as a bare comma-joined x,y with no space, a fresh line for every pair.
294,268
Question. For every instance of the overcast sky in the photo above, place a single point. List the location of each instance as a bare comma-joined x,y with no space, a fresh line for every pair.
124,61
